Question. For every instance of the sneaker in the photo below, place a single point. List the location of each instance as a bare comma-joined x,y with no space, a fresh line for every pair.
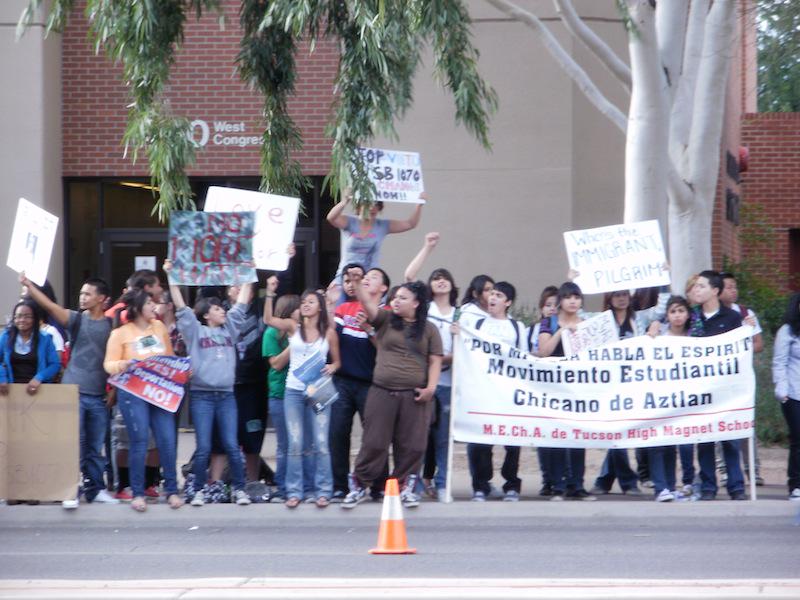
69,504
198,499
337,497
687,490
103,497
408,496
634,491
241,498
557,497
599,491
795,494
441,495
665,496
478,496
708,496
511,496
648,484
581,495
759,481
739,496
376,495
125,495
151,492
547,490
354,498
430,490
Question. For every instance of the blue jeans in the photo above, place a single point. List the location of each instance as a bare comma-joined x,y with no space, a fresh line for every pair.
209,408
442,434
93,427
566,467
708,467
686,452
302,424
617,466
662,468
281,437
139,417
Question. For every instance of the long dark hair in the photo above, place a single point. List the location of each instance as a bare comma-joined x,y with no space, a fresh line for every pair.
134,300
792,316
284,307
420,291
37,323
475,288
445,274
630,314
322,321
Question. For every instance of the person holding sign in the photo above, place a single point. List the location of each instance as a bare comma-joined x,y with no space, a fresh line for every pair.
310,342
399,402
565,465
364,236
27,355
141,337
213,355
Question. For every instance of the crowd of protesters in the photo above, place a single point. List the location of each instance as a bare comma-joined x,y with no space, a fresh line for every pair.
389,353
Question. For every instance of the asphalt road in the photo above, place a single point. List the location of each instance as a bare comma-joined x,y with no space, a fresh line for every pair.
610,538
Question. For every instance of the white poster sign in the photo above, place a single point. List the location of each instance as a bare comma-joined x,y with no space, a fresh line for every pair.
32,241
397,175
144,262
591,333
276,217
637,392
618,257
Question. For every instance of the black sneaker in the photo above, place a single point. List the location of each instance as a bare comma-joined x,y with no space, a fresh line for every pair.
581,495
708,496
547,490
738,496
338,497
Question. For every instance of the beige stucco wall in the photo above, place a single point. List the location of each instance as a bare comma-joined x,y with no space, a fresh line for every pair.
556,163
30,136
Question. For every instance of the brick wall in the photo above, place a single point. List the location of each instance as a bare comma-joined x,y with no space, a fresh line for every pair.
204,86
772,183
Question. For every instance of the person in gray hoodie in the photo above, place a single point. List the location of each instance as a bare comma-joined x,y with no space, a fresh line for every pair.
210,334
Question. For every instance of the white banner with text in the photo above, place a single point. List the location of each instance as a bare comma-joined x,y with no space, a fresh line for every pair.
638,392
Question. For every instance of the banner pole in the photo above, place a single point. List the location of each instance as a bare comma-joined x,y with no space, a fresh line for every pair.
751,455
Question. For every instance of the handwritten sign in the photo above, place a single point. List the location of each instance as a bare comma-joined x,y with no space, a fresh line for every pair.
211,248
39,444
276,217
618,257
397,175
591,333
32,241
158,380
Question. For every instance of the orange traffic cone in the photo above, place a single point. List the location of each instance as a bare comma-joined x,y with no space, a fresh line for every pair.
392,533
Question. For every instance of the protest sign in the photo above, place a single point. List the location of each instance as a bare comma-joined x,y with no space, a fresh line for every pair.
618,257
211,248
637,392
311,369
158,380
397,175
39,443
32,241
591,333
276,217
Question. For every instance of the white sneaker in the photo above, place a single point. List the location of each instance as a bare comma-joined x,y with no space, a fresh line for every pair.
665,496
198,499
241,498
795,495
687,490
69,504
103,497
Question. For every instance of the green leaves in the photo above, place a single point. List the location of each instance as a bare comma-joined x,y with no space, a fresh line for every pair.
380,44
778,56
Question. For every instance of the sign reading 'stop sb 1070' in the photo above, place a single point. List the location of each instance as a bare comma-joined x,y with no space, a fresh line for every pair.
618,257
397,175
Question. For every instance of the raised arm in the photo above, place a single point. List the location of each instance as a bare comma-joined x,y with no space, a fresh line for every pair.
286,325
336,215
174,290
370,305
59,313
431,239
398,226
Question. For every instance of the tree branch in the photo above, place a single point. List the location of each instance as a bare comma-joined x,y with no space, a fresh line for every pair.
592,41
565,61
709,100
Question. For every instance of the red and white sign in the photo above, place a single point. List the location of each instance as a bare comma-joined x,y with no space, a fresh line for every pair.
158,380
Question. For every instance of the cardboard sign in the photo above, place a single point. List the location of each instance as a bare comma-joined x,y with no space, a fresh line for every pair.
32,241
211,248
39,443
397,175
276,217
635,393
158,380
591,333
619,257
